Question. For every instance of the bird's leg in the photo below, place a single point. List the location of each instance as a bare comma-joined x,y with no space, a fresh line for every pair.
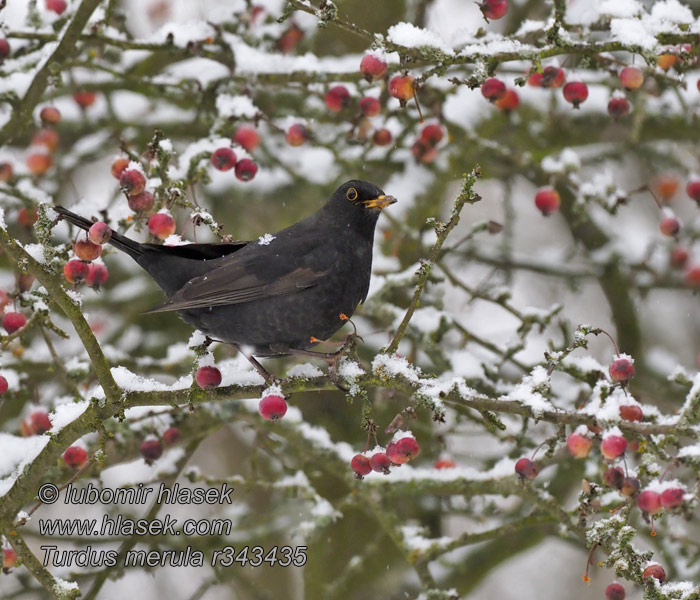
269,377
332,358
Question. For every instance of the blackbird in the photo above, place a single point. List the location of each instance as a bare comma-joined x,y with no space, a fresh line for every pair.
279,295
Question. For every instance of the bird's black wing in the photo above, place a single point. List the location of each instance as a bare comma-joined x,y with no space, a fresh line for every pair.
255,276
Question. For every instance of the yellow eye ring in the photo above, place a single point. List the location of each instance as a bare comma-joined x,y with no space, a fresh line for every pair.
351,194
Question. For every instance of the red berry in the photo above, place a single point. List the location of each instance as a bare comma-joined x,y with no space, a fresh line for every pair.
370,106
4,49
132,182
692,276
297,135
57,6
382,137
272,407
614,477
614,592
666,185
526,468
575,92
401,87
171,436
618,107
40,421
75,457
361,465
666,61
551,77
432,134
380,462
656,571
493,89
6,172
579,445
621,369
142,202
246,169
679,256
50,115
290,39
613,446
118,167
631,78
649,502
151,450
403,450
208,377
672,498
9,558
39,162
547,200
493,9
248,137
631,412
4,385
84,98
693,189
13,321
670,226
424,152
372,67
630,486
27,217
97,275
337,98
223,159
47,138
99,233
86,250
509,101
444,463
161,225
76,271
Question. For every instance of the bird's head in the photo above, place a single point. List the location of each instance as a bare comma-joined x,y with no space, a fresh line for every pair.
359,203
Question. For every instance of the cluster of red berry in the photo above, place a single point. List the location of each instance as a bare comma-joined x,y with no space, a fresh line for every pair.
224,159
82,269
152,447
402,449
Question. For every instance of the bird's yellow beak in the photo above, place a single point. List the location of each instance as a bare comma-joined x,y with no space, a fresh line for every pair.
379,202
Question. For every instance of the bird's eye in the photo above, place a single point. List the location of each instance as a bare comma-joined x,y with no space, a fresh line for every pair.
351,194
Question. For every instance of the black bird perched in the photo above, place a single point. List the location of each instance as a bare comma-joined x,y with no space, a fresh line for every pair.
278,295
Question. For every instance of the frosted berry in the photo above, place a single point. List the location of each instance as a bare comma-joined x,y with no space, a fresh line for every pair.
13,321
613,446
614,592
223,159
4,385
142,202
151,450
57,6
161,225
370,106
372,67
84,98
618,107
672,498
621,369
337,98
630,486
26,217
382,137
246,169
493,9
493,89
361,465
50,115
526,468
297,135
272,407
631,78
614,477
575,92
401,87
75,457
75,271
693,190
380,462
402,450
656,571
670,226
649,502
86,250
248,137
118,167
208,377
99,233
38,163
96,276
579,445
547,200
132,182
171,436
631,412
509,101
